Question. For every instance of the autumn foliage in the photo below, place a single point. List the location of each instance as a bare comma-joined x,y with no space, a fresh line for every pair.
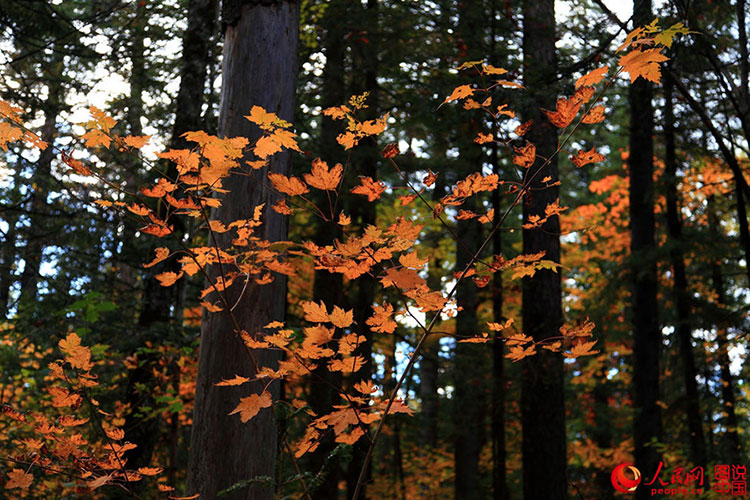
64,438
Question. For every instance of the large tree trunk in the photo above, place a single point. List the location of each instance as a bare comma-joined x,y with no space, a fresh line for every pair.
259,68
681,293
542,398
646,334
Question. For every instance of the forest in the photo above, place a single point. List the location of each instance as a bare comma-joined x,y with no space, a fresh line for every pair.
375,249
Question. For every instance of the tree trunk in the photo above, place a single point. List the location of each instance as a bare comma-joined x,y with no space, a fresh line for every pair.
732,437
328,286
542,397
646,334
160,306
682,295
38,233
259,68
365,55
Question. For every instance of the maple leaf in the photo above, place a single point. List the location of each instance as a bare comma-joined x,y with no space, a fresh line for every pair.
391,150
483,138
282,208
351,437
594,115
237,380
525,156
347,365
566,111
18,478
381,320
61,398
522,129
314,313
586,157
592,77
341,318
251,405
518,352
292,186
365,386
459,93
266,146
323,178
412,260
492,70
168,278
99,481
150,471
261,117
581,349
136,141
643,63
370,188
404,278
666,37
344,220
77,355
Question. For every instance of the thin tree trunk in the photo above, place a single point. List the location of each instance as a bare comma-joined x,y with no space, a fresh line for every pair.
328,286
38,234
727,379
682,297
646,334
542,396
365,62
259,68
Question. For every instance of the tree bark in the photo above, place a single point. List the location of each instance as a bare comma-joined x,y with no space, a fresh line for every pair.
328,286
259,68
646,333
542,397
365,59
681,293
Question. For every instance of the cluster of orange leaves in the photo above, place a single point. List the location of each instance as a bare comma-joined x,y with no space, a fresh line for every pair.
383,252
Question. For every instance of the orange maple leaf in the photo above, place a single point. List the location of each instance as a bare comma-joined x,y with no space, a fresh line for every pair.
323,178
314,313
18,478
566,110
341,318
237,380
77,355
643,63
251,405
592,77
292,186
168,278
381,320
525,156
161,254
136,141
594,115
586,157
370,188
459,93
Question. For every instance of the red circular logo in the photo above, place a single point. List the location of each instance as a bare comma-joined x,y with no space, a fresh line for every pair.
622,482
